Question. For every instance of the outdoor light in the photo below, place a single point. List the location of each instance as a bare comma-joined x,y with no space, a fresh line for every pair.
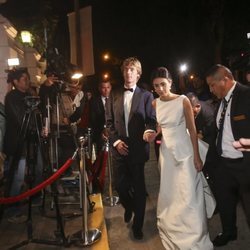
248,35
13,62
183,67
76,76
106,57
26,36
106,76
191,77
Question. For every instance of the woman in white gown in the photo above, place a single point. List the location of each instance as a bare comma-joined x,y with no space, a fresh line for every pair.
181,214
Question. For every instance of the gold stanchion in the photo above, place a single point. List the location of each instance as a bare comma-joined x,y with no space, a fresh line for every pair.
84,237
110,200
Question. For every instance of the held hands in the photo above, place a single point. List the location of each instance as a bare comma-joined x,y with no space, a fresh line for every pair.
122,148
149,136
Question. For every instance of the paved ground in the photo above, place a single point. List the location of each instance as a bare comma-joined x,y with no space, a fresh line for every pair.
119,234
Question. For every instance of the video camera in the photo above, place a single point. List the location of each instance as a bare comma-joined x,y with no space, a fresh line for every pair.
32,101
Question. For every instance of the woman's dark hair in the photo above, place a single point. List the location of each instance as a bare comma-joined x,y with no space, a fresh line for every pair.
161,72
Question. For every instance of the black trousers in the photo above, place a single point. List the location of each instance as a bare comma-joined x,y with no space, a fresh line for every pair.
232,183
130,185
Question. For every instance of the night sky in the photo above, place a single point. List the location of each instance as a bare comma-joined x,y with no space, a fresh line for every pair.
159,32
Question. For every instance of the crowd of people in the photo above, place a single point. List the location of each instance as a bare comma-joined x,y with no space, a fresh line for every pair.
131,118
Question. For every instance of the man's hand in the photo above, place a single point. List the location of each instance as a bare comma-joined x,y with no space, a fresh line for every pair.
122,148
44,132
105,134
243,144
149,136
66,121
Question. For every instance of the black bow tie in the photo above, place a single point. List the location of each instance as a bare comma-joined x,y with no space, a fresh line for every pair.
128,89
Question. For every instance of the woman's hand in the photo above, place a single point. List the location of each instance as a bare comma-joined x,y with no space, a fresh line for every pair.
198,163
149,136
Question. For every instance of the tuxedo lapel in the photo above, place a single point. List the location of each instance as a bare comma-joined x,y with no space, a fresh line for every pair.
120,104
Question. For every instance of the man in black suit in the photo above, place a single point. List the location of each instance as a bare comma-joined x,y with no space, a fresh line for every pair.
131,122
232,175
97,115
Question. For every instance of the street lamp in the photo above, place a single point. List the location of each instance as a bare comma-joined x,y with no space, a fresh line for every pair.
26,36
106,76
183,67
106,57
182,81
191,77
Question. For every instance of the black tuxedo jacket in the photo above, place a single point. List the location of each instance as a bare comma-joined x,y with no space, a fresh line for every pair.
97,118
141,117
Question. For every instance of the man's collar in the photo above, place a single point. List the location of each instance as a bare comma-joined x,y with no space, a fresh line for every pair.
229,93
132,87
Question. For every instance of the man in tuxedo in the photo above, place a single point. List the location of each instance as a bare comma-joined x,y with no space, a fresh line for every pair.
131,123
232,175
97,116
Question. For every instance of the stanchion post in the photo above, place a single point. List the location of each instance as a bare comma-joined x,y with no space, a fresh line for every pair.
110,200
89,143
84,237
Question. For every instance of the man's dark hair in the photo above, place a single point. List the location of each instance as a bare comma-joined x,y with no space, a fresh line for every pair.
193,98
218,68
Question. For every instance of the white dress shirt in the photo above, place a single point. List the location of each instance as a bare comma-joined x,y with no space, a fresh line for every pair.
128,95
228,151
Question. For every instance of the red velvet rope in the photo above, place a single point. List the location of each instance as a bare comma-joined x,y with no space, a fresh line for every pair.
39,187
103,169
97,169
94,168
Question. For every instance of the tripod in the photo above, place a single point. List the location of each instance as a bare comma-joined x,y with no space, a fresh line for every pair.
30,135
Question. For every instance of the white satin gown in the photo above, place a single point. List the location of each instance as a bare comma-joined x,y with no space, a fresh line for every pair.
181,215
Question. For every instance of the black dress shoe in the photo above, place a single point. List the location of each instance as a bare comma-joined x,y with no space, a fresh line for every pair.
128,215
222,239
138,234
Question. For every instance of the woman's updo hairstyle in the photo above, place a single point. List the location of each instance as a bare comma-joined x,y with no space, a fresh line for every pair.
161,72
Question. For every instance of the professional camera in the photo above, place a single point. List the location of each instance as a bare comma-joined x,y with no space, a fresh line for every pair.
32,101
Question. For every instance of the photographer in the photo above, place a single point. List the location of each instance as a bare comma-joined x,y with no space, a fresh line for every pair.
15,109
